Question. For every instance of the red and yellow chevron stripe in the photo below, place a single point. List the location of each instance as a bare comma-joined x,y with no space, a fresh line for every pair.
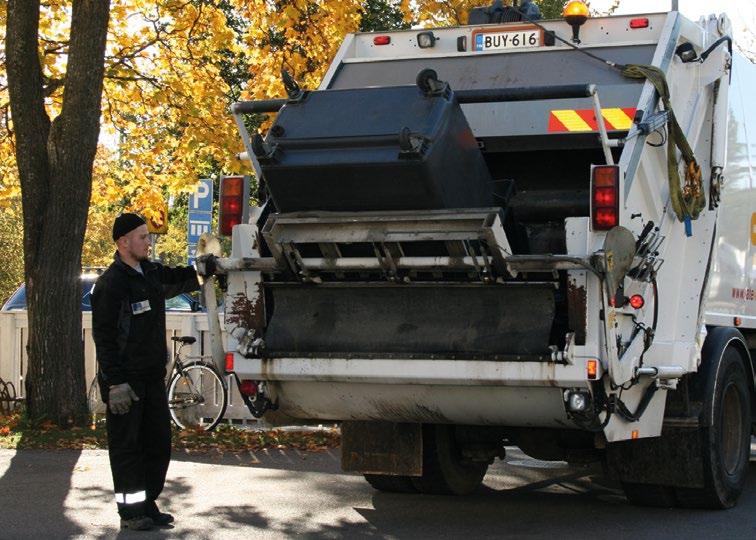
569,120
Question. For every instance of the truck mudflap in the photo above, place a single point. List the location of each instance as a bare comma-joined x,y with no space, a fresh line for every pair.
464,321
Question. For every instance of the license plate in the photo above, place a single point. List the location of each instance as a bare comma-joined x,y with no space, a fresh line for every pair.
522,38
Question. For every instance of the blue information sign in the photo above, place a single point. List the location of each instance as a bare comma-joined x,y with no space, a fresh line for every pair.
200,215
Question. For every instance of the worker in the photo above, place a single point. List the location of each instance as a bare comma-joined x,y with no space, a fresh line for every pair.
128,326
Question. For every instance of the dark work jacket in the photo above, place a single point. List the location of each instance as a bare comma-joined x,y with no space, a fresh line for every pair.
128,318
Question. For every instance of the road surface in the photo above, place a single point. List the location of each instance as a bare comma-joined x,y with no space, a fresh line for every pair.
282,494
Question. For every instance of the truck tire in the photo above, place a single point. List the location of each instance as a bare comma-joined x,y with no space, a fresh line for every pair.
444,470
726,443
391,484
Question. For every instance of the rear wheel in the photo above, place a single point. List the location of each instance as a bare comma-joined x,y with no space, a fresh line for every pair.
716,456
445,471
725,446
391,484
197,397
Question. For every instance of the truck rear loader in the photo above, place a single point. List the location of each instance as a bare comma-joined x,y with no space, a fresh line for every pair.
516,232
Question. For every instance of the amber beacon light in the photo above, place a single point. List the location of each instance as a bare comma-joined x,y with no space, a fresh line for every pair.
576,13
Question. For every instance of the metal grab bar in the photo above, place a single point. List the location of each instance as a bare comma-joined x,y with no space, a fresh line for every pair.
488,95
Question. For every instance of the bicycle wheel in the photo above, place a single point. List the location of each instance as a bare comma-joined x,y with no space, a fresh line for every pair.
197,398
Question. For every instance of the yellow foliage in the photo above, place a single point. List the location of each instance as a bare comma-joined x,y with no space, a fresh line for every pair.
299,35
429,13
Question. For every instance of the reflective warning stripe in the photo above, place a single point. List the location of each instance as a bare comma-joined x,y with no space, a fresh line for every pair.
572,121
131,498
576,120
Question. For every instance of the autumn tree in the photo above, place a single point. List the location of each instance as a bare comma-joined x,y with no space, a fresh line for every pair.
378,15
12,269
455,12
54,159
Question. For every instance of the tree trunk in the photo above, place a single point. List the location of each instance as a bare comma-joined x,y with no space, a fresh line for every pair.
55,167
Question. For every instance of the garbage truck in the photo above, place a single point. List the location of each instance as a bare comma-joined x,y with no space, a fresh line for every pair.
518,232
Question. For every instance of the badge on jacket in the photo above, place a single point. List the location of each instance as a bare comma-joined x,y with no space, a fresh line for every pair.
137,308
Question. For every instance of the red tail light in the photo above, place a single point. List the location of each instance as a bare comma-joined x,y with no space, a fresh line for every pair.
248,388
381,40
233,193
229,362
605,197
639,23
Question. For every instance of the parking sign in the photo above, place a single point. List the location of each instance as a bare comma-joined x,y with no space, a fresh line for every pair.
200,215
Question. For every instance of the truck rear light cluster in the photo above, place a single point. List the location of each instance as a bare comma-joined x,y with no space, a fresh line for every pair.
604,197
233,193
248,388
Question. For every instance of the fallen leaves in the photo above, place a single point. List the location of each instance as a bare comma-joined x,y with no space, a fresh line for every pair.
231,439
18,433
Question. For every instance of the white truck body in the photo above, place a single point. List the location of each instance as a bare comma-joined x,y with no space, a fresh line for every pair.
704,270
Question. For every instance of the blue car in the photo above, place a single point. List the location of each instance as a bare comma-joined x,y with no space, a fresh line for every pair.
183,302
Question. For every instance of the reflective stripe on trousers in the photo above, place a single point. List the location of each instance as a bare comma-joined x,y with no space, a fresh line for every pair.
131,498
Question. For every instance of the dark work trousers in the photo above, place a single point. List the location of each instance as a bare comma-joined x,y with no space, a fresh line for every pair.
139,444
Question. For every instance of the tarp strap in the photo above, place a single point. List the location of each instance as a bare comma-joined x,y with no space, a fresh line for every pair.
688,200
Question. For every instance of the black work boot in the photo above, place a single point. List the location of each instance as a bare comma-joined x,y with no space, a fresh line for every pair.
158,518
138,523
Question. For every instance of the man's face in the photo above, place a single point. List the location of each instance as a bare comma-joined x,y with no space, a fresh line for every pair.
137,243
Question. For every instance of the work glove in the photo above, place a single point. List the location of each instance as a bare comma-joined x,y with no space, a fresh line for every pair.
207,265
120,397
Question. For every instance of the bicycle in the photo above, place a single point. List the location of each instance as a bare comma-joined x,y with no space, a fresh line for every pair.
197,393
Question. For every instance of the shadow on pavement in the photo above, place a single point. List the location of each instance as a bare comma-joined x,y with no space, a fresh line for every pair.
514,502
570,505
40,517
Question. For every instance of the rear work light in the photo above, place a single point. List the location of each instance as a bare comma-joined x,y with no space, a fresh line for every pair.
233,203
641,22
604,197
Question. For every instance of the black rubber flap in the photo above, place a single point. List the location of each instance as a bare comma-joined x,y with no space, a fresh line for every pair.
457,320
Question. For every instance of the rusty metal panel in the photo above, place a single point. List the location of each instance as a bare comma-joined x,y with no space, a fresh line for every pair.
382,448
576,307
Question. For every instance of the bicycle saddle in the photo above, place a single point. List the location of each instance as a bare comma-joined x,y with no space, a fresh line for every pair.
185,339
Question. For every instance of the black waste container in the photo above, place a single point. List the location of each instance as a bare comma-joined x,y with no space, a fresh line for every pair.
389,148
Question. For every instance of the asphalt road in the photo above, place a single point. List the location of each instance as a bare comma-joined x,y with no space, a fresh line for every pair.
277,494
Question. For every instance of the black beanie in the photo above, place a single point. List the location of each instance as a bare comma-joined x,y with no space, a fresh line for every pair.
125,223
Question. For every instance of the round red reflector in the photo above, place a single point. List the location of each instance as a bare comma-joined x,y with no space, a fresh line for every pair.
636,301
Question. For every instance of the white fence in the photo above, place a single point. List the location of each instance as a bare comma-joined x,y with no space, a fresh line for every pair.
14,333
